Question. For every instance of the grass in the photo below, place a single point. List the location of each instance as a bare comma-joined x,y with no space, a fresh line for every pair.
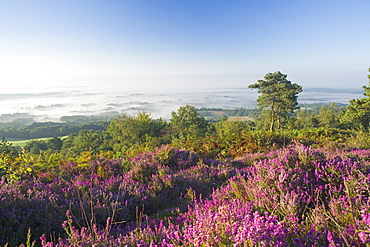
240,118
23,142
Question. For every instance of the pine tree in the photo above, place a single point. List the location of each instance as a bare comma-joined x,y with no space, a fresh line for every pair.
278,98
358,110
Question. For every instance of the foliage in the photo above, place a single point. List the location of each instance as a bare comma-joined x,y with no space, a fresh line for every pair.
213,114
278,97
213,184
226,128
83,141
306,119
97,188
5,146
327,116
36,146
47,129
358,111
293,196
126,131
81,119
187,123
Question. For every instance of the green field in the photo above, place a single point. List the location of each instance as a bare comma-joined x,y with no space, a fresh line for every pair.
23,142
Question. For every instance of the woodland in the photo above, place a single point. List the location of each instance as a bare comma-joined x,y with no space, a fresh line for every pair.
293,175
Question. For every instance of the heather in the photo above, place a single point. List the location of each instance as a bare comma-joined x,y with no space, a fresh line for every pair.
284,179
295,195
96,188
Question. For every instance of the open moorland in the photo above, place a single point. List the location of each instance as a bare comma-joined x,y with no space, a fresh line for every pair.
290,177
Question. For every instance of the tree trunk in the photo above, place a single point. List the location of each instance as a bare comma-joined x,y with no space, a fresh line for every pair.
272,125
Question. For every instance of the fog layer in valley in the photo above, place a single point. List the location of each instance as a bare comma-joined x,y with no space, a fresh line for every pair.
51,104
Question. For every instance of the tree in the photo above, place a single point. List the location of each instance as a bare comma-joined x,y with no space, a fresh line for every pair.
278,98
188,122
83,141
306,119
358,110
225,127
328,116
35,146
55,143
126,131
6,147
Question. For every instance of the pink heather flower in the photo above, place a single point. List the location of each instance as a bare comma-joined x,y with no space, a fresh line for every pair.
65,223
43,237
330,239
364,237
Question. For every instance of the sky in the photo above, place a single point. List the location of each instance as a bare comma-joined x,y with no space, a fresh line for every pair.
177,44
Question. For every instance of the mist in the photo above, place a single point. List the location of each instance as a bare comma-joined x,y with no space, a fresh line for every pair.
50,104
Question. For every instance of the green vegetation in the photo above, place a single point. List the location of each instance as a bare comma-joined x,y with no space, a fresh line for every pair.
101,180
187,123
358,111
208,131
81,119
214,114
22,143
37,130
126,131
277,100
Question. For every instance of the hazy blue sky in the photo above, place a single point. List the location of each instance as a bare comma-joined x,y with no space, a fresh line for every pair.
183,43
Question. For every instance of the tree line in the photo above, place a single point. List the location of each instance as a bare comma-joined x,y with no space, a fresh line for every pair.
279,121
47,129
278,105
